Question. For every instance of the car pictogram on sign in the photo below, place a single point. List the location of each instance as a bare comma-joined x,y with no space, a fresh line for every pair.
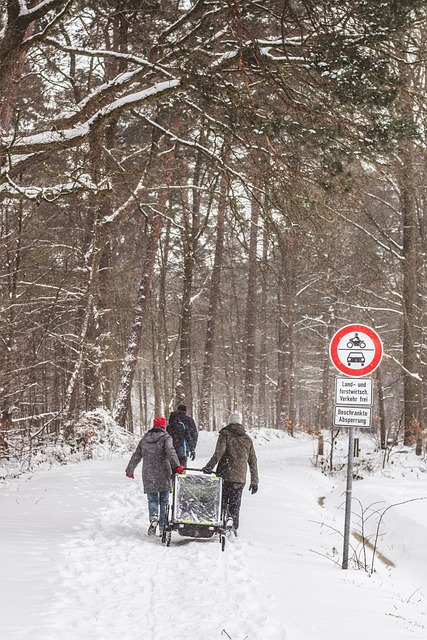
355,357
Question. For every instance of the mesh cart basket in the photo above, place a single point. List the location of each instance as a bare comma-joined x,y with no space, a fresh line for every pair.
195,507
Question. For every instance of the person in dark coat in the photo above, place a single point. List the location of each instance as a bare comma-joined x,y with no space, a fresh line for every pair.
184,434
159,461
233,453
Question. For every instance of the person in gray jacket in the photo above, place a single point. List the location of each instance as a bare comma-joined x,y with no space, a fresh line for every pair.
233,453
159,461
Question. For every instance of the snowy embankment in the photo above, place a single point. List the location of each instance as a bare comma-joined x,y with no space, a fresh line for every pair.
77,564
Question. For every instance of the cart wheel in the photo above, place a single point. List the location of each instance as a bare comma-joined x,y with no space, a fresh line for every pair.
168,536
164,535
222,541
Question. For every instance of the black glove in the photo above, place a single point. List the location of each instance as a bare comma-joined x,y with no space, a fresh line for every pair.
253,488
206,470
192,455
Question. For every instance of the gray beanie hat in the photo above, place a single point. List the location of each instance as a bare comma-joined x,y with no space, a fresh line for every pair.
235,418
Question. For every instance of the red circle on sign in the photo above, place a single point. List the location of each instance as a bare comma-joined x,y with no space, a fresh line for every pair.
337,353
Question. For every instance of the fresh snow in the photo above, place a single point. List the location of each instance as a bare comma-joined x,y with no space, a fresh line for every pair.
76,563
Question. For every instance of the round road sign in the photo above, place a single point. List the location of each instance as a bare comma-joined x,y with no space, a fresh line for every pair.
356,350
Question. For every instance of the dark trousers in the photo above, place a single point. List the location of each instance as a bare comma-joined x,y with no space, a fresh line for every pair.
232,499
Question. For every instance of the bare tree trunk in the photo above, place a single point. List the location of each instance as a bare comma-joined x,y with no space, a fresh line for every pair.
122,403
157,386
381,410
323,408
251,316
292,407
234,331
262,392
9,90
290,258
411,383
103,388
214,293
11,83
184,387
145,396
98,241
286,410
410,235
281,392
161,338
97,373
91,375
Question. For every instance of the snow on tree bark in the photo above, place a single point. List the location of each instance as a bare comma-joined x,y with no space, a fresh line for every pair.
121,405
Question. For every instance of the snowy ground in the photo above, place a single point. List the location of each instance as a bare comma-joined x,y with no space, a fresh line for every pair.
76,563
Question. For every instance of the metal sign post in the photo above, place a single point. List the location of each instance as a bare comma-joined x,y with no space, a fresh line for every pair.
356,351
348,496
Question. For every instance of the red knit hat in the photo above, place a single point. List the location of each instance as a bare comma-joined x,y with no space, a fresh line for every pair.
160,422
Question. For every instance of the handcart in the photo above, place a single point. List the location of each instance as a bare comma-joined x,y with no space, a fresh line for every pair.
194,509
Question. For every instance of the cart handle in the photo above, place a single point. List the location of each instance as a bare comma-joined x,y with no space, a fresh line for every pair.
194,469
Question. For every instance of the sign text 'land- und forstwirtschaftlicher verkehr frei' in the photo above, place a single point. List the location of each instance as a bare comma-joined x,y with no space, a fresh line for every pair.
353,391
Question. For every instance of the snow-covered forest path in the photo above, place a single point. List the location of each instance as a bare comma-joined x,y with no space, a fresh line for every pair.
77,563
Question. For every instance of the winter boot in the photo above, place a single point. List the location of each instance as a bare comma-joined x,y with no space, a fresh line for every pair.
152,528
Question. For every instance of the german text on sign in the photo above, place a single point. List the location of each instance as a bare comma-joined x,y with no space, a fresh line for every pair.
352,417
353,391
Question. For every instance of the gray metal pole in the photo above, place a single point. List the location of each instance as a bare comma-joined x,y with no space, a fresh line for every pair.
347,523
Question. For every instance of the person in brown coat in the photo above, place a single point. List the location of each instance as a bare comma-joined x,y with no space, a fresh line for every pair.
233,453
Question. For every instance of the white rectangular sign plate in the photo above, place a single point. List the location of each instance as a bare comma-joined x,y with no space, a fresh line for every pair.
353,391
359,417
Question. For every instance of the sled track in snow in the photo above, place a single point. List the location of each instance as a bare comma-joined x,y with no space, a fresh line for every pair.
116,582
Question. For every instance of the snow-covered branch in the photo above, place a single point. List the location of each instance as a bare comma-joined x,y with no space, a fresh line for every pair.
83,182
52,140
